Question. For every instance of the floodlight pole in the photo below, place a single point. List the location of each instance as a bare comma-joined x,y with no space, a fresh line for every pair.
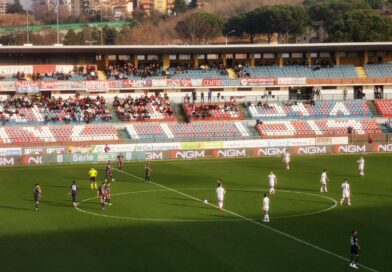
227,35
27,25
57,19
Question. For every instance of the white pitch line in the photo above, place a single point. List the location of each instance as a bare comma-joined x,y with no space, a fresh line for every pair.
257,223
203,220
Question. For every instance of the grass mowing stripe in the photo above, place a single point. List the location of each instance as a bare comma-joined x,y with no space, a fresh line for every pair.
254,222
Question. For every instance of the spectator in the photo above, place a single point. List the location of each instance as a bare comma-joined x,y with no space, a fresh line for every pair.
106,149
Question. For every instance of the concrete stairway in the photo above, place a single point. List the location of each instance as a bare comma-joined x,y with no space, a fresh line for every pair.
361,72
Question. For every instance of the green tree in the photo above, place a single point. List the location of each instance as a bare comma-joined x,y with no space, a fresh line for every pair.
71,38
15,7
110,35
246,26
333,13
199,27
192,4
286,19
180,6
376,4
363,26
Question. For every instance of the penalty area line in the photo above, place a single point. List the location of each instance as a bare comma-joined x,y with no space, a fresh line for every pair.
255,222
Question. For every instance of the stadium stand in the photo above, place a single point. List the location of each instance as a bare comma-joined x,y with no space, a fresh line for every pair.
76,73
39,109
326,127
342,71
378,70
316,109
57,134
212,111
384,107
198,130
144,108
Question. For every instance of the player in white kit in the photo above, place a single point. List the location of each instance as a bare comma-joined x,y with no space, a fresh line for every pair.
323,180
346,193
361,166
220,193
266,203
286,159
272,180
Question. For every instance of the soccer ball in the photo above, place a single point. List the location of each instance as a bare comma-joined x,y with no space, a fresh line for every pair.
113,179
205,201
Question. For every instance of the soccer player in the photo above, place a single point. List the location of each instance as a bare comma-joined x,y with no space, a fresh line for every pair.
266,202
147,170
272,180
74,193
120,162
354,252
108,172
220,193
324,178
37,195
107,192
101,194
286,159
346,193
93,178
361,166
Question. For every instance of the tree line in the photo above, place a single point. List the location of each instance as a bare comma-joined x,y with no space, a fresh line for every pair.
342,21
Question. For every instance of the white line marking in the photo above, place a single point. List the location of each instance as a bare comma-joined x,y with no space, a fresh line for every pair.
257,223
203,220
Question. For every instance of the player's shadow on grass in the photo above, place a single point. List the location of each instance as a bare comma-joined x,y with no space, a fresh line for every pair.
16,208
190,206
182,199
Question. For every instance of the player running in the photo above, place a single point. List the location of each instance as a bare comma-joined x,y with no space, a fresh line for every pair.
354,252
272,180
101,194
346,193
109,172
107,192
220,193
93,178
74,193
120,162
147,171
323,180
286,159
361,166
266,203
37,195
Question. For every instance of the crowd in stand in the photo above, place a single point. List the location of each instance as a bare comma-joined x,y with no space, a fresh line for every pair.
74,109
211,110
88,72
142,108
17,76
123,70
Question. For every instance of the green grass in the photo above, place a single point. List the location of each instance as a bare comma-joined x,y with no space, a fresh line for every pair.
60,238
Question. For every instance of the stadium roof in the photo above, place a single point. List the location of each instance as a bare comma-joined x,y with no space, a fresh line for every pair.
197,49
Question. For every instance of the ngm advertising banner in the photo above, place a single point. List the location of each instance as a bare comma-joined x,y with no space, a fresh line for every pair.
35,158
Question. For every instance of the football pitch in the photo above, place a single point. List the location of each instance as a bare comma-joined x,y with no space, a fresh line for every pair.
166,226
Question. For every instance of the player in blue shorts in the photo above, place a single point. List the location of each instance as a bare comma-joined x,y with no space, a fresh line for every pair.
354,251
37,195
107,191
101,194
120,162
108,172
